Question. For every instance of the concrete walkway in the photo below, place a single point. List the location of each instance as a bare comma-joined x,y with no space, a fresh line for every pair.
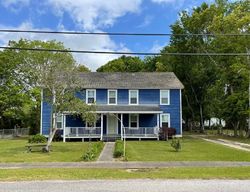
124,165
107,152
228,143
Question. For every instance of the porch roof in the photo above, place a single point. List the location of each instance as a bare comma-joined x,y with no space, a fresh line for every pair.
128,109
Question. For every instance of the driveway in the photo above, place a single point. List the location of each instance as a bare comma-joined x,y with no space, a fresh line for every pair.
144,185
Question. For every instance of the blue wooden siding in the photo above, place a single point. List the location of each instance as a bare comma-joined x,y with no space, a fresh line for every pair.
146,97
149,96
101,96
122,97
74,121
46,118
173,109
147,120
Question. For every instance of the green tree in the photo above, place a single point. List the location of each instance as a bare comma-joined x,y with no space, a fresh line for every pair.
82,68
123,64
234,71
197,73
13,93
56,74
214,86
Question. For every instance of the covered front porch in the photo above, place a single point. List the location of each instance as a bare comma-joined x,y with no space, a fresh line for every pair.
118,124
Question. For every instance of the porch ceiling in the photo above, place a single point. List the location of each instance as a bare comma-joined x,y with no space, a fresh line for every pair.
128,109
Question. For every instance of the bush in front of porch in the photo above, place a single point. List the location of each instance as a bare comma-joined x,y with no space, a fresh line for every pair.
118,151
93,151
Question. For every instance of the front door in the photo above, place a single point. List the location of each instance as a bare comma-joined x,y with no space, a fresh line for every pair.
112,125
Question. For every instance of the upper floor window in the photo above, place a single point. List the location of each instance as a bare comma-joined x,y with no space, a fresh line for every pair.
112,97
133,97
164,97
90,96
133,121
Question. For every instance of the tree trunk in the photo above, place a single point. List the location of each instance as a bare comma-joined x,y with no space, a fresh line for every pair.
236,126
50,139
202,129
248,131
53,128
190,125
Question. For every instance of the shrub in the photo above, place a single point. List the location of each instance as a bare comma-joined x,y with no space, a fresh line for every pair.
166,132
176,144
92,151
37,139
118,152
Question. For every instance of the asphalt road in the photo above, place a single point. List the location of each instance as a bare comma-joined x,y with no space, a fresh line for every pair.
135,185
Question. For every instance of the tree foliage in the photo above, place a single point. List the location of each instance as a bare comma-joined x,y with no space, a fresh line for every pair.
28,72
123,64
214,86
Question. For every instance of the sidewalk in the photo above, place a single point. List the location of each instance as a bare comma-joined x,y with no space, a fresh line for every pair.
124,165
107,152
225,142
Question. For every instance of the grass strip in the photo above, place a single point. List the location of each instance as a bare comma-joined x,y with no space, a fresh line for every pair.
163,173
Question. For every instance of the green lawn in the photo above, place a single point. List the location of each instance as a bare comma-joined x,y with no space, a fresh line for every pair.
14,151
166,173
192,150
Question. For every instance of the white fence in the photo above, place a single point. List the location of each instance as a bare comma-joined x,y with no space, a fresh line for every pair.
8,133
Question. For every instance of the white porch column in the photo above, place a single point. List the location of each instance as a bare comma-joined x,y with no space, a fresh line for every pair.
64,122
122,126
101,127
158,120
158,124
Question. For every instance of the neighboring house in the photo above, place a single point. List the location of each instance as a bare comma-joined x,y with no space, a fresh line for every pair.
135,103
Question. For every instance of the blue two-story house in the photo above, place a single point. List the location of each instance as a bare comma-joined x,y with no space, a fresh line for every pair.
131,105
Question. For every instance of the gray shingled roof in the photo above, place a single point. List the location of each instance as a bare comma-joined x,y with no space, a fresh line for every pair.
139,80
128,108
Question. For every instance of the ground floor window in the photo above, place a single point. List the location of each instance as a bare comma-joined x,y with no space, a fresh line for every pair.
133,121
165,120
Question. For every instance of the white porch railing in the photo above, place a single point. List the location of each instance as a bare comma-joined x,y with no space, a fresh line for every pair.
90,132
141,131
82,131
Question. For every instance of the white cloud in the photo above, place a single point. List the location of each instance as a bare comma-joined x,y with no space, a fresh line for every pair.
177,4
15,5
74,42
147,21
94,14
164,1
156,48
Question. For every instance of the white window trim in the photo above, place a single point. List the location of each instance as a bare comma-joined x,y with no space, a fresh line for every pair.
169,123
87,95
115,97
59,114
137,116
168,97
137,95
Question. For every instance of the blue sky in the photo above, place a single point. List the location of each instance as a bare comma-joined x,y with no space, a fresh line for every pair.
135,16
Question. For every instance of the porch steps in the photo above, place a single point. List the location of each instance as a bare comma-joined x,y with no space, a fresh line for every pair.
107,152
110,138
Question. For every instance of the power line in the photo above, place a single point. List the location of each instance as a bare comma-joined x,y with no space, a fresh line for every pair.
124,53
118,33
